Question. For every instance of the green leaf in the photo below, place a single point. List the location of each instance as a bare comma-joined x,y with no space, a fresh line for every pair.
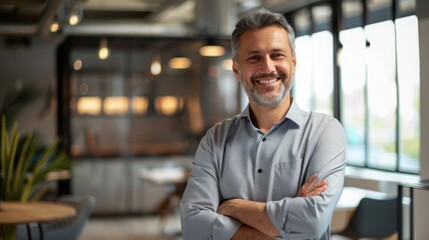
24,181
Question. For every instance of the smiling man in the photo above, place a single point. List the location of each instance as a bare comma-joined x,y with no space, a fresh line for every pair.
273,171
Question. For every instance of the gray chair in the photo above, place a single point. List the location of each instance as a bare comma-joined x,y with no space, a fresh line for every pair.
72,228
373,218
69,229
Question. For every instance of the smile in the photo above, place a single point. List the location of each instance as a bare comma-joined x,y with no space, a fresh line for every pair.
267,81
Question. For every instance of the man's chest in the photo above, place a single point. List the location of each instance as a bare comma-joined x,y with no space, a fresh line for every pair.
265,169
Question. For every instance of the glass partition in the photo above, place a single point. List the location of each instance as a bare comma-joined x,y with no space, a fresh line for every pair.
143,96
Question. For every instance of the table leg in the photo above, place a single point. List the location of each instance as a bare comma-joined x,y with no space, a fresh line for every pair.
411,214
27,226
40,231
400,212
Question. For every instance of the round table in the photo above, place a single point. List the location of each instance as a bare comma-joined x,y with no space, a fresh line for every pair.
14,213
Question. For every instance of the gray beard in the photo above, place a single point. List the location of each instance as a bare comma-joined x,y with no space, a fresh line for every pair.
269,102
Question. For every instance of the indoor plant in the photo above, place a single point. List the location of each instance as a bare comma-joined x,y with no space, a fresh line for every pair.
24,161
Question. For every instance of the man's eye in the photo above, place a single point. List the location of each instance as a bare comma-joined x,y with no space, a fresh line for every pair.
277,56
253,58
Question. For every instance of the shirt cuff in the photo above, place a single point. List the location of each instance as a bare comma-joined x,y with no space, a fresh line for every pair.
224,228
277,211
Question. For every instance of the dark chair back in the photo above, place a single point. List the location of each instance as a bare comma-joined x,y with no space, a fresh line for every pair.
72,228
373,218
69,229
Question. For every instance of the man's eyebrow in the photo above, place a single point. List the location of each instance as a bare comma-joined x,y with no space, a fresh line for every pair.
274,50
253,52
278,50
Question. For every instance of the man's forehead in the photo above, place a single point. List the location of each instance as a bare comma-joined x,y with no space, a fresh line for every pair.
264,39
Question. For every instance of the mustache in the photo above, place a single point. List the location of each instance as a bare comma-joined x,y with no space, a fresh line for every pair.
268,75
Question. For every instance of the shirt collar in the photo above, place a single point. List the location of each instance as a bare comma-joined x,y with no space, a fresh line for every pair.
294,113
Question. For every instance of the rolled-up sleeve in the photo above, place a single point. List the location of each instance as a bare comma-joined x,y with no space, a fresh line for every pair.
309,217
201,199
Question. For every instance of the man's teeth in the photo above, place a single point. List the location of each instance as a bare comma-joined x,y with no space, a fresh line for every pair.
268,81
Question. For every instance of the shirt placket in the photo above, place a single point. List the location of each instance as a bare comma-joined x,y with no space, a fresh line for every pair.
262,168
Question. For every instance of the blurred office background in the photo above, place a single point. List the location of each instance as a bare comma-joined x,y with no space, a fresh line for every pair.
127,86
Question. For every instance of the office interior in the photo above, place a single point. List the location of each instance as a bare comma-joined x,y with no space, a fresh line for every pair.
126,87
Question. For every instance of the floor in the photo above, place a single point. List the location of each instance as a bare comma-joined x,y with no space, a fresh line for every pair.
132,228
137,228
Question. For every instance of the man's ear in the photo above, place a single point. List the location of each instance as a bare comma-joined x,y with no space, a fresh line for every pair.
235,69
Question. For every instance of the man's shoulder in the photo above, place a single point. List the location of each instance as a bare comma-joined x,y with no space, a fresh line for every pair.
318,117
223,126
322,121
218,134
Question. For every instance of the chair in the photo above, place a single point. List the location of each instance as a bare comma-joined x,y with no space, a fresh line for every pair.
70,229
373,218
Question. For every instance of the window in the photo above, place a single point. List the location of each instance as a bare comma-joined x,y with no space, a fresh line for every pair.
409,93
382,100
353,82
119,107
313,84
313,87
378,61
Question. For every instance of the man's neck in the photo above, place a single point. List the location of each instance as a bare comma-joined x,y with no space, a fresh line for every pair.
265,117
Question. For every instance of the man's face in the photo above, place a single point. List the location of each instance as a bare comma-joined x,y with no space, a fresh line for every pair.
265,65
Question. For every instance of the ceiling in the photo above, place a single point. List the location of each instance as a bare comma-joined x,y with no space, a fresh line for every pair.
33,17
118,17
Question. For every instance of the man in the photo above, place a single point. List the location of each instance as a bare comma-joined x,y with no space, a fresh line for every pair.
273,171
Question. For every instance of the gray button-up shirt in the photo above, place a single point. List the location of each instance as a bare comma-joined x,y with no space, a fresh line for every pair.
237,160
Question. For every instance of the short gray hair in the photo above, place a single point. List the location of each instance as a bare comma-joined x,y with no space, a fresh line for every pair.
259,19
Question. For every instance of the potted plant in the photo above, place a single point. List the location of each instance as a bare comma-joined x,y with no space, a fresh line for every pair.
24,161
23,169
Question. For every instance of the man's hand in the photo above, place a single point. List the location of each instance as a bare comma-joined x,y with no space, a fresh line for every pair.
254,215
245,232
311,188
250,213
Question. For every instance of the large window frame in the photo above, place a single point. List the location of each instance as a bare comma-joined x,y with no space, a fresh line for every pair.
391,13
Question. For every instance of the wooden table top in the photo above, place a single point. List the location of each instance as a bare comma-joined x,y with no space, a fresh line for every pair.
27,212
161,176
351,196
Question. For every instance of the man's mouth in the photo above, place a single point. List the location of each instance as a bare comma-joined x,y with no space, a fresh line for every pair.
268,81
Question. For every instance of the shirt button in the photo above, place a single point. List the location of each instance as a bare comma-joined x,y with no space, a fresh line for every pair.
259,170
263,139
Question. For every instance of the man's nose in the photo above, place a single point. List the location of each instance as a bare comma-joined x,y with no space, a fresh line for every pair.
267,65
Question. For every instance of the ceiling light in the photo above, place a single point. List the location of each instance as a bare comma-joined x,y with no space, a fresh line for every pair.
168,105
155,67
180,63
74,19
76,13
77,64
89,105
115,105
211,49
139,105
103,51
55,26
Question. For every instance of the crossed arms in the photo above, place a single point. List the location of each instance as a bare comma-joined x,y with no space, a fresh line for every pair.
256,221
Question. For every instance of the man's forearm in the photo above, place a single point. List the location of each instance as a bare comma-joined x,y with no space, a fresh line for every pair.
254,214
249,213
245,232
